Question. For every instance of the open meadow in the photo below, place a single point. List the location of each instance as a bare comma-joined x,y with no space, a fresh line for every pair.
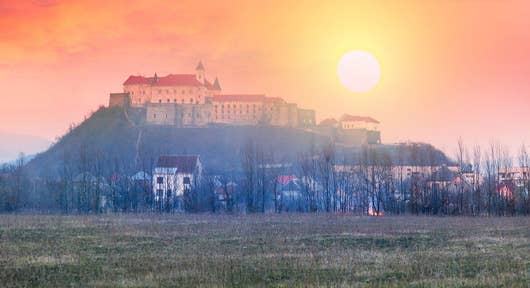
285,250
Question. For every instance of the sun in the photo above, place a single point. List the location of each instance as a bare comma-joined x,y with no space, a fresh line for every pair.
358,71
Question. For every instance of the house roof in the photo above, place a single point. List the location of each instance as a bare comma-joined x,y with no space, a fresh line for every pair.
239,98
183,163
284,179
328,122
347,117
141,176
170,80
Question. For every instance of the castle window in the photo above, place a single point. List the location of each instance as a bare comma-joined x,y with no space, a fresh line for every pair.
166,116
183,91
182,101
159,91
154,115
174,91
132,92
167,100
159,100
191,100
175,100
167,91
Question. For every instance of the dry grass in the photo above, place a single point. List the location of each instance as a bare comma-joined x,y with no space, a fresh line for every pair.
261,250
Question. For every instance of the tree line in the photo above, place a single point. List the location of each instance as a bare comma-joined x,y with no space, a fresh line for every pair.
322,179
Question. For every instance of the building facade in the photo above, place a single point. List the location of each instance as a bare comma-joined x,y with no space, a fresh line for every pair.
190,100
173,176
352,130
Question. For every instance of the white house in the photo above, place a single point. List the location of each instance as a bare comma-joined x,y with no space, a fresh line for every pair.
173,175
350,122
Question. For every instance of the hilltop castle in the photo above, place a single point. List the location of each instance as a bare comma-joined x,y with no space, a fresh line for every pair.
191,100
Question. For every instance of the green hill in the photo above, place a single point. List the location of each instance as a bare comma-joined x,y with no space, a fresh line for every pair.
114,140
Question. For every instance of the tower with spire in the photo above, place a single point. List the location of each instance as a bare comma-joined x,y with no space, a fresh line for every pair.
216,84
199,72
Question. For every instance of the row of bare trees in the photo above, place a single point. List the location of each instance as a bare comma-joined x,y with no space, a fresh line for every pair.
322,179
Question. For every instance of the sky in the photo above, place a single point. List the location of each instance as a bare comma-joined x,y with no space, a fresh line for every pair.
449,69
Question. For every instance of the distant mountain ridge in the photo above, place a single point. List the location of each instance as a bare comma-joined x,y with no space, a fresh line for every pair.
12,144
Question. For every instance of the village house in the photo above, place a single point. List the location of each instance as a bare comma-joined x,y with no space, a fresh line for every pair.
352,130
173,176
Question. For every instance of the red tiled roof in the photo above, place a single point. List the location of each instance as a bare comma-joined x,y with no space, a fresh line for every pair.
239,98
169,80
183,163
178,80
284,179
136,80
347,117
328,122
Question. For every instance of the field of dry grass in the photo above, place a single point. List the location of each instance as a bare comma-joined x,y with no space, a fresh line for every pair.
258,250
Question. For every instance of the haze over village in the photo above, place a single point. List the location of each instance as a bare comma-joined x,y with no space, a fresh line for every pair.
264,143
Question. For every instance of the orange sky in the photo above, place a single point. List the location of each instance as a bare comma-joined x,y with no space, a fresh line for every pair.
448,68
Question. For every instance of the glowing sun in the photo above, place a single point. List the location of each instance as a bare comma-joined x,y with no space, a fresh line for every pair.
358,71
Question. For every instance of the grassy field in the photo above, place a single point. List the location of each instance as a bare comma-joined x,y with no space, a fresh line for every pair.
280,250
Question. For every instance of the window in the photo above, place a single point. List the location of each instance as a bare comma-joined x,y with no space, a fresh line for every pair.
191,100
159,100
168,194
174,91
167,100
167,91
154,115
159,193
175,100
183,91
159,91
160,180
186,180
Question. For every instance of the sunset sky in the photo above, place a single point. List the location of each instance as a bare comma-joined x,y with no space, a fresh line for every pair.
448,68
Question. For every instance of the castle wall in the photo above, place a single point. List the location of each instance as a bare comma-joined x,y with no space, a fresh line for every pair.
193,115
237,112
306,118
118,99
180,115
162,114
358,137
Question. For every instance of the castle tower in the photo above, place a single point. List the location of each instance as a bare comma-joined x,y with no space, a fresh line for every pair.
199,72
216,84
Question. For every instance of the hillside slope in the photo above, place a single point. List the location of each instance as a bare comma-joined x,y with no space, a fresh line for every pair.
113,140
